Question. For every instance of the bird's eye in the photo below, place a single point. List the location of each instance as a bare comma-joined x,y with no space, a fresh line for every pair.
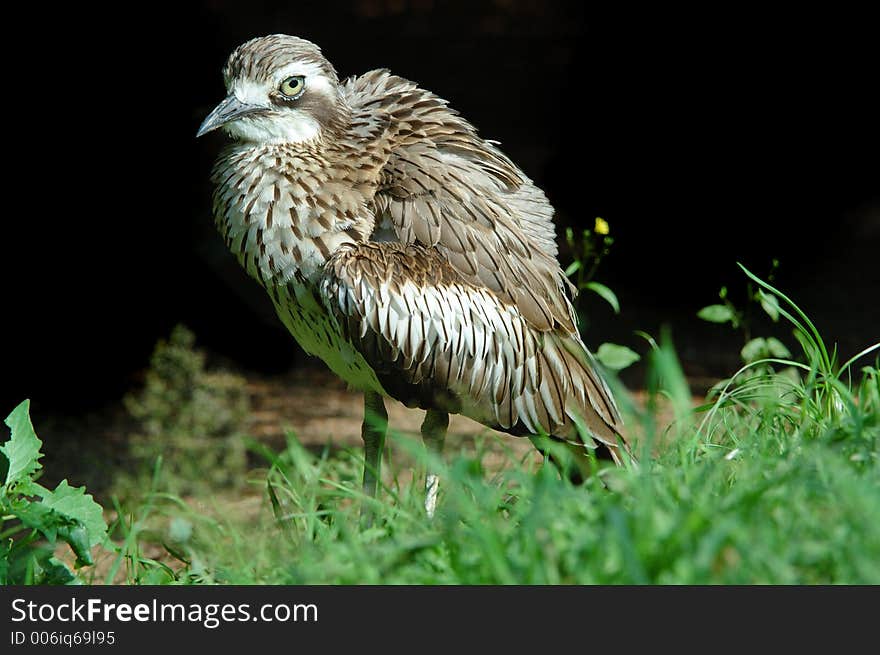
293,86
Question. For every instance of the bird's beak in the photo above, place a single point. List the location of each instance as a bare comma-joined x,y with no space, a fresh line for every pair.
230,109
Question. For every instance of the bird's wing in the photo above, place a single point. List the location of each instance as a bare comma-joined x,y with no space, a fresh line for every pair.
436,340
444,187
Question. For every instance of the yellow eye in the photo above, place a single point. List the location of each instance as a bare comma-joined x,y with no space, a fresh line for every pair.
293,86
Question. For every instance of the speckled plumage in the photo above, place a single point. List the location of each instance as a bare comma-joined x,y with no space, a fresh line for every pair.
411,255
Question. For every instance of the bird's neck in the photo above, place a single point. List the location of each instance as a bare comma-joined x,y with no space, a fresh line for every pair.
283,209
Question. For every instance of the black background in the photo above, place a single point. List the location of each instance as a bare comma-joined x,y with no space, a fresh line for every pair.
703,137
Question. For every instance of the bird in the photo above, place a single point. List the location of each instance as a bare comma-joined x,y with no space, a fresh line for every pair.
412,256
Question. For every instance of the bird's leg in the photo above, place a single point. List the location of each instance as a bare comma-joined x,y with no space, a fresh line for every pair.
434,434
373,432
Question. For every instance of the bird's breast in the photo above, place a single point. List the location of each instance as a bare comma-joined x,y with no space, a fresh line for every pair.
283,216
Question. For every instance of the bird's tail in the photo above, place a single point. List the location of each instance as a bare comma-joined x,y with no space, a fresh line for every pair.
596,423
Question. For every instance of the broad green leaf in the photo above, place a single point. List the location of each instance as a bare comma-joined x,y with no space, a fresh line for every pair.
40,567
23,448
754,350
616,357
572,268
76,504
55,573
776,348
760,348
770,304
55,525
606,293
716,314
77,537
67,513
156,576
37,516
28,487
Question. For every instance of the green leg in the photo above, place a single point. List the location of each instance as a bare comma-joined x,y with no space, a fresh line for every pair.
434,435
373,432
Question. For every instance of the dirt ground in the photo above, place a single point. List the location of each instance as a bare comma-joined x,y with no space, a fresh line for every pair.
317,405
318,408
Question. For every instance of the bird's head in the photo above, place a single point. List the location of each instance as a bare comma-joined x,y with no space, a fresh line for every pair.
280,89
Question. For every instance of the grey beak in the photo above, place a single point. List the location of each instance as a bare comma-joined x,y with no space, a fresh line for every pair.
230,109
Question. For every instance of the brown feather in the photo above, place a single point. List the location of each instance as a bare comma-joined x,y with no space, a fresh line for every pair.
520,367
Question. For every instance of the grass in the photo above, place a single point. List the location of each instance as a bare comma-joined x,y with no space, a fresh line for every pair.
775,480
768,506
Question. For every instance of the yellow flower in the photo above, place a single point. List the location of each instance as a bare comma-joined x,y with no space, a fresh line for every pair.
601,226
